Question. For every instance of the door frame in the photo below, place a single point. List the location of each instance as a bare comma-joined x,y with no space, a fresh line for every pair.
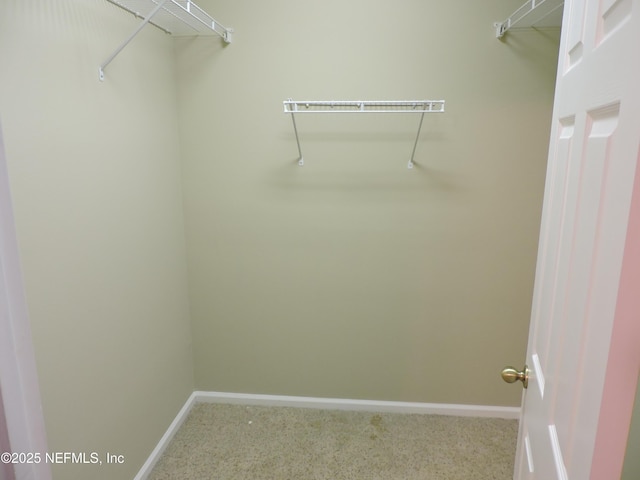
18,376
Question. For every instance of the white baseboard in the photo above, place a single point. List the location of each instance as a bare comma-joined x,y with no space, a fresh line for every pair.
166,438
359,405
323,403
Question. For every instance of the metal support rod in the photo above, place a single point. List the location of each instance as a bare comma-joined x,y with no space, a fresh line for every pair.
137,15
415,145
295,129
131,37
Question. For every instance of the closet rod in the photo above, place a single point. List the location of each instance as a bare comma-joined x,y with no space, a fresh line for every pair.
294,107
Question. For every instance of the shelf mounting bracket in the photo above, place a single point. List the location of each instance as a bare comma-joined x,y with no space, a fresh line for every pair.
146,20
295,129
415,144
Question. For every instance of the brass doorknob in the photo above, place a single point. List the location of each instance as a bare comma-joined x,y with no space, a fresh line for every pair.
511,375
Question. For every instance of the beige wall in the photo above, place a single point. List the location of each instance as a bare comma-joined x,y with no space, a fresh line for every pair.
353,276
350,277
95,176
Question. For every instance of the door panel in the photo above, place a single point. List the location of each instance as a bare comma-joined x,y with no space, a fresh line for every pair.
591,186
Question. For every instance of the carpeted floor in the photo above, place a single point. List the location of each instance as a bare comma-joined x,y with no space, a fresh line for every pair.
236,442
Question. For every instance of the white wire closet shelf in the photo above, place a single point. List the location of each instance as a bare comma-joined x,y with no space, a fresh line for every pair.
174,17
295,107
533,13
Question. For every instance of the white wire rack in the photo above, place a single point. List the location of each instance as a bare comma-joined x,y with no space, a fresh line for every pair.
533,13
295,107
175,17
359,106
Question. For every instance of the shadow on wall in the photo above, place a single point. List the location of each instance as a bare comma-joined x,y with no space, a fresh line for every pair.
528,44
368,156
290,178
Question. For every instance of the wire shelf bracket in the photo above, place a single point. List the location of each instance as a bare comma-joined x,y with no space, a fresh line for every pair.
531,13
174,17
295,107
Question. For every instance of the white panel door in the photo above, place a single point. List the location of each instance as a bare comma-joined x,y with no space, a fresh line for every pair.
585,252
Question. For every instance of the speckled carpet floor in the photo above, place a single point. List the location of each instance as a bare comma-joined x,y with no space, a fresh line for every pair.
238,442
